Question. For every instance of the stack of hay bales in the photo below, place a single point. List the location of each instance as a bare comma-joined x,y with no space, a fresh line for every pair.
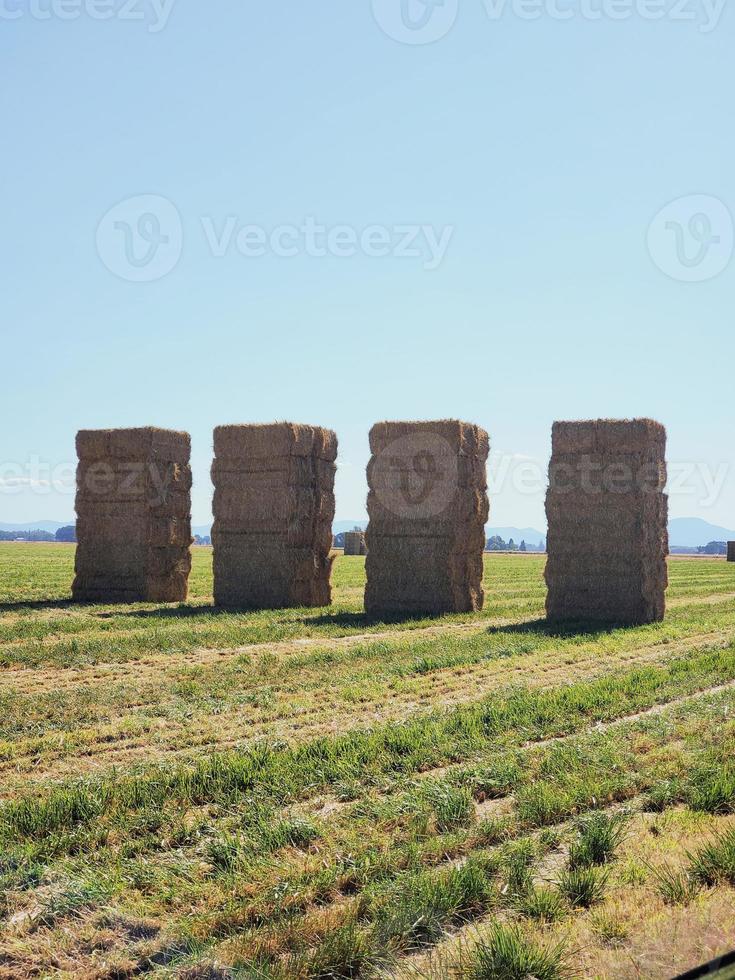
607,514
355,543
731,550
273,513
428,507
133,509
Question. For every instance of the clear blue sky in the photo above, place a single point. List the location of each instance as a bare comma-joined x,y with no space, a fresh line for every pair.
546,146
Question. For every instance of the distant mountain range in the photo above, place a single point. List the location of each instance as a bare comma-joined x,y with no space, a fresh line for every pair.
50,526
684,532
528,534
691,532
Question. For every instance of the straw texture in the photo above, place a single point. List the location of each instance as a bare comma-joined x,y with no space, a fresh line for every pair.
607,515
428,506
133,507
273,512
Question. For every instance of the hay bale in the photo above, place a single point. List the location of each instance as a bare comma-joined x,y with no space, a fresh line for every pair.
355,543
133,507
273,512
607,514
731,550
428,506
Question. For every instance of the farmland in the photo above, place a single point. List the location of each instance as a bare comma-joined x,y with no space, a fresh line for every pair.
200,794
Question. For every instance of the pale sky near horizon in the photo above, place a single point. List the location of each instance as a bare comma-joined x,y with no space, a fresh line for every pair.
265,168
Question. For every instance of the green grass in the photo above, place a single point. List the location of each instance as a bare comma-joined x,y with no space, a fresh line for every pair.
715,862
415,910
283,775
506,954
600,835
177,800
674,887
582,887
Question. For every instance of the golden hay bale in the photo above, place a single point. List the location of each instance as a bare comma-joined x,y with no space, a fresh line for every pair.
133,507
607,515
428,506
273,511
355,543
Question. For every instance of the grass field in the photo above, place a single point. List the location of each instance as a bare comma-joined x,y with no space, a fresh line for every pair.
309,794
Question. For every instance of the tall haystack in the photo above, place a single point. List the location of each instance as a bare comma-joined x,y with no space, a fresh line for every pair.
428,505
355,543
731,550
607,514
133,509
273,513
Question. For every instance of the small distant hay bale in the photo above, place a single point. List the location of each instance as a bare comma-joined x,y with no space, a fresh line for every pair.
607,514
133,507
273,511
355,543
428,506
731,550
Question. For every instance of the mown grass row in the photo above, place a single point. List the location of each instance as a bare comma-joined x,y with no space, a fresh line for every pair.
428,654
430,824
406,905
339,858
266,685
374,880
283,774
98,635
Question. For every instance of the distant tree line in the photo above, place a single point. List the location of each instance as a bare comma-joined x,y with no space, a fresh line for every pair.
713,548
26,536
496,543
